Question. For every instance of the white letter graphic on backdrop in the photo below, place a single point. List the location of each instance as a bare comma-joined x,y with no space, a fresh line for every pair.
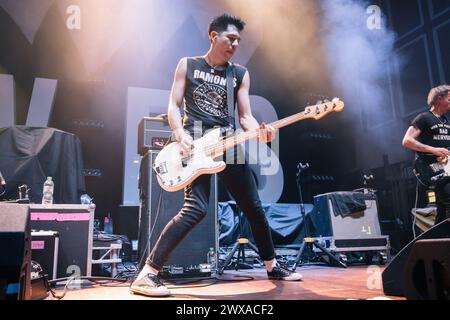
7,114
74,20
41,102
374,20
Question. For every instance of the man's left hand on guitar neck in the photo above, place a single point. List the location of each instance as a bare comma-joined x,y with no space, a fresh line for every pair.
266,133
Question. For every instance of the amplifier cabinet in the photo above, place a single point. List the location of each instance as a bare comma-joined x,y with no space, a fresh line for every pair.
357,231
74,224
153,134
158,207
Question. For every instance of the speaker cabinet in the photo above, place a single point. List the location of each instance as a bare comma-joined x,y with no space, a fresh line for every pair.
74,224
15,252
356,225
127,222
427,274
158,207
393,276
356,231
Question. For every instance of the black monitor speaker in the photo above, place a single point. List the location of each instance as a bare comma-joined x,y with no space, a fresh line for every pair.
15,252
427,274
394,279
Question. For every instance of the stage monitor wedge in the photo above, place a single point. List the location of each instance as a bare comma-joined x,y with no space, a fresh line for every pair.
393,275
15,252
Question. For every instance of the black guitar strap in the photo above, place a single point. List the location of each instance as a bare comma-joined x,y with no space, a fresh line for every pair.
230,95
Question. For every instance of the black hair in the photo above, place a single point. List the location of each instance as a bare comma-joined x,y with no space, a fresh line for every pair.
220,23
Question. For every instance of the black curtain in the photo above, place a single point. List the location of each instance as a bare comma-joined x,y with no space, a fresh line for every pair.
30,154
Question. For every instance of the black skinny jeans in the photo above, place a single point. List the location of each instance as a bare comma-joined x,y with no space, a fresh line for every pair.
240,182
442,191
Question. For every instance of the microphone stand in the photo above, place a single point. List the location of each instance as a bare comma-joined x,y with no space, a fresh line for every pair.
239,246
2,185
308,241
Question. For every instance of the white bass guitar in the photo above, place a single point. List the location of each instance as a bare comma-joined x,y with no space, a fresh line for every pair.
174,171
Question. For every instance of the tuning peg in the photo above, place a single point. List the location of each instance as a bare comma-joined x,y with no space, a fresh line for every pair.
335,99
319,102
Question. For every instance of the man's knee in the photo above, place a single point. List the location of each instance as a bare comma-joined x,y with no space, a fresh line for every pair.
196,211
200,213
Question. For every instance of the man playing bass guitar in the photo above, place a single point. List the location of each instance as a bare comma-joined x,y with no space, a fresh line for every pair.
202,84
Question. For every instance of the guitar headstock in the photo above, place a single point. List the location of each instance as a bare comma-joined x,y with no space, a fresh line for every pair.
320,110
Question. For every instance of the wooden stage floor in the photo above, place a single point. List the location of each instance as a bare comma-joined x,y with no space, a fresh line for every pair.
319,283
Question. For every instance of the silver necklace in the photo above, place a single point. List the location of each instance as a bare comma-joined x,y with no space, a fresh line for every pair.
213,68
439,118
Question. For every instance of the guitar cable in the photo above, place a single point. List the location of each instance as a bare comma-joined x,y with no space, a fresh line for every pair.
149,235
418,180
415,209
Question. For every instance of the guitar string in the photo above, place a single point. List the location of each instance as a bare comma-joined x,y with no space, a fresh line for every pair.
229,142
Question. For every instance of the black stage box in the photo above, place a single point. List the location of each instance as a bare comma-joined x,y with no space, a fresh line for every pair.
15,252
44,250
74,224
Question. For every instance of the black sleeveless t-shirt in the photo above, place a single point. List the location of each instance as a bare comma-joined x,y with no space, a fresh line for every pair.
205,96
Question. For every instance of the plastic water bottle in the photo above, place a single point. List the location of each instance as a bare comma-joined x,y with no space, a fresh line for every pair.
108,224
211,260
47,192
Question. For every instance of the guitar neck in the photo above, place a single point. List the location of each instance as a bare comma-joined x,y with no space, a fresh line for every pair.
230,142
313,112
289,120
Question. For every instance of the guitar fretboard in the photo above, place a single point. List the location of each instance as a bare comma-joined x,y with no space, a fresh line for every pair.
315,112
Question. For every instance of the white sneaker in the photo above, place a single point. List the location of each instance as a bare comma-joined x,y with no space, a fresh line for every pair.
150,285
280,272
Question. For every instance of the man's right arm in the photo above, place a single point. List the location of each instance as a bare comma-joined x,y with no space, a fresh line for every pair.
175,101
410,142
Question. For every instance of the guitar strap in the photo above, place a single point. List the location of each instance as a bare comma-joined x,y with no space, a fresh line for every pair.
230,95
